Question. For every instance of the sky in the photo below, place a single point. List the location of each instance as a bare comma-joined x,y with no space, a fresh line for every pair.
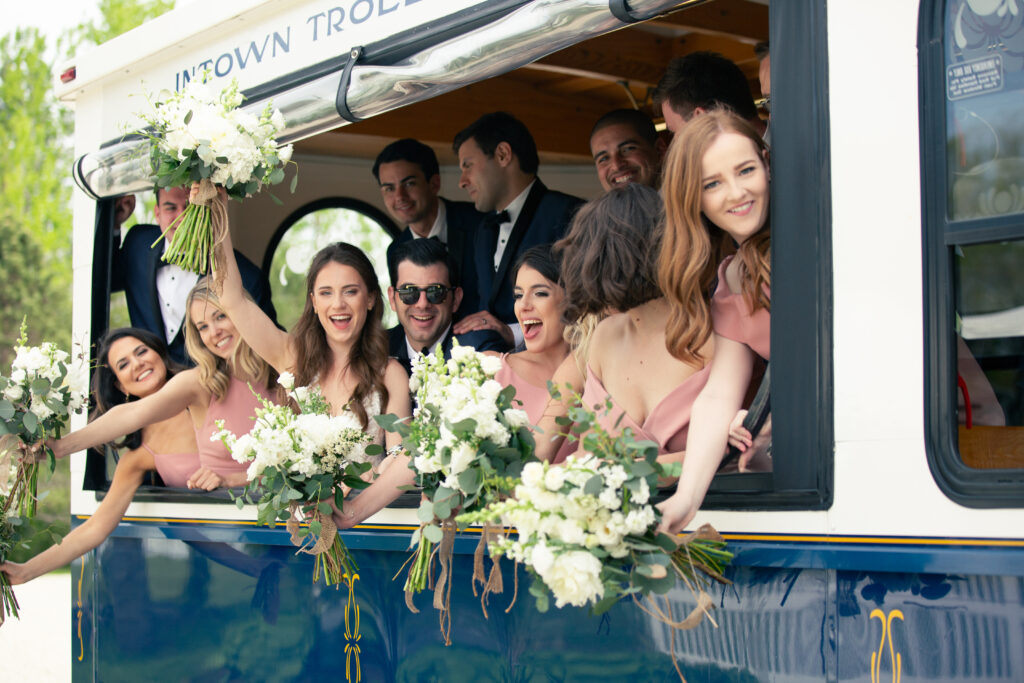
52,17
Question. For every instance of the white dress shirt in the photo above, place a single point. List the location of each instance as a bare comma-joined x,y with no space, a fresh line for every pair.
172,287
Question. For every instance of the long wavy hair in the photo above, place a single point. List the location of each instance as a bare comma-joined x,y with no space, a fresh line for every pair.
214,371
692,246
369,355
105,389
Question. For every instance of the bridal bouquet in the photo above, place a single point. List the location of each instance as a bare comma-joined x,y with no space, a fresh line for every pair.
468,443
37,398
201,136
587,530
297,464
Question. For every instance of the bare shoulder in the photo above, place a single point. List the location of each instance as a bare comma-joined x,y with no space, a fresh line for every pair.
395,374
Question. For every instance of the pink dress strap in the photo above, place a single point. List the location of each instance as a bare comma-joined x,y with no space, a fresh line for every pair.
174,468
237,409
731,317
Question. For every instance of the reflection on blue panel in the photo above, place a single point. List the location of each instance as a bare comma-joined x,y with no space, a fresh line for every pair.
160,603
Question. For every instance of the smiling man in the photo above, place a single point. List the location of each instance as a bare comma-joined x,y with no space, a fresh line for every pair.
626,149
425,295
410,185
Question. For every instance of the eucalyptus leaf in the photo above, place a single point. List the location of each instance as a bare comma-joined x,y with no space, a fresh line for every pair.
594,485
425,513
6,409
433,533
30,422
470,480
40,386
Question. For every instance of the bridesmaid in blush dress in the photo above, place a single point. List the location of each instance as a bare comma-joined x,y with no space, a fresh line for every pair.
133,364
609,268
715,186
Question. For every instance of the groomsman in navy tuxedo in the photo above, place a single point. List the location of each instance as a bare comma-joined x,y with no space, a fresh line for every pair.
425,295
410,184
498,158
156,291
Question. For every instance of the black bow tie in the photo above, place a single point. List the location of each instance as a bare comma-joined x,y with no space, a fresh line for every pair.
495,219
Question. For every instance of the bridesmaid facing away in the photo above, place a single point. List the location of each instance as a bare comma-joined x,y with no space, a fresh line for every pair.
715,184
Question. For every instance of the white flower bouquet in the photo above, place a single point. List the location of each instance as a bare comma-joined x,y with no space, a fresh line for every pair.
298,462
468,444
44,388
587,529
199,135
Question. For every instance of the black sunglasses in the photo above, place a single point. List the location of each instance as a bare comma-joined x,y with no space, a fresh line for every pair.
410,294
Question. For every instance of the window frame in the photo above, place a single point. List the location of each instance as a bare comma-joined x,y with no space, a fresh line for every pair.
967,486
802,396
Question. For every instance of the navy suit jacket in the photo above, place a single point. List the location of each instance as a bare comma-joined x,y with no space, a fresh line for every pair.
544,219
462,220
481,340
134,269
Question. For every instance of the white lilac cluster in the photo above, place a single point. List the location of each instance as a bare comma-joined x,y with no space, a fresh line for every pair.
202,126
45,386
448,394
571,518
299,446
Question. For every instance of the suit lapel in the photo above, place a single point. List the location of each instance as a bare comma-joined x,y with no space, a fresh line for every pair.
154,255
519,231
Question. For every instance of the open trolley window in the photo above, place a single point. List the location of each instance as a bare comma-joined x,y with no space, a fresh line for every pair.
474,60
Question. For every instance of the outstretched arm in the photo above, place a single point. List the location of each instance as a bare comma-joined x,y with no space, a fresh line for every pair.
127,478
180,392
256,328
713,412
379,495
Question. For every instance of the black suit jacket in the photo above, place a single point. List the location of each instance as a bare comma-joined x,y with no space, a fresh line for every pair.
462,221
482,340
134,267
544,219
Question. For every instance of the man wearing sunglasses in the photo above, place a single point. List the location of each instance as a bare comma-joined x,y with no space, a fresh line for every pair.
425,295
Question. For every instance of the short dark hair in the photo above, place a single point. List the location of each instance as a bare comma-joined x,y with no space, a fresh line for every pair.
413,151
542,259
424,252
640,122
104,382
706,80
492,129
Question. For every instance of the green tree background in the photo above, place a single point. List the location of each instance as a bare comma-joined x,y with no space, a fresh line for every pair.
35,196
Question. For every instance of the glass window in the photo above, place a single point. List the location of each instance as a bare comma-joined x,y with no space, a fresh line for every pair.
972,146
984,82
310,233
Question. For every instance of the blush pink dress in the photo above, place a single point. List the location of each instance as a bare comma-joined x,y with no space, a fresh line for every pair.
731,317
668,422
237,409
534,398
174,468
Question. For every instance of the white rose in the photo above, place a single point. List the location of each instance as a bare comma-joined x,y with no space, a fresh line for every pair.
610,499
575,579
554,478
462,353
462,456
517,418
286,380
41,410
13,392
490,365
570,532
284,154
533,474
542,558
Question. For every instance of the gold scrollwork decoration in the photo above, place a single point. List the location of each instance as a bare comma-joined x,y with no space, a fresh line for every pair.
78,605
895,660
352,635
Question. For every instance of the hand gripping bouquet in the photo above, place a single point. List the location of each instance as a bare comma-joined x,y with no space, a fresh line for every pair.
199,135
468,443
298,462
587,530
44,387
